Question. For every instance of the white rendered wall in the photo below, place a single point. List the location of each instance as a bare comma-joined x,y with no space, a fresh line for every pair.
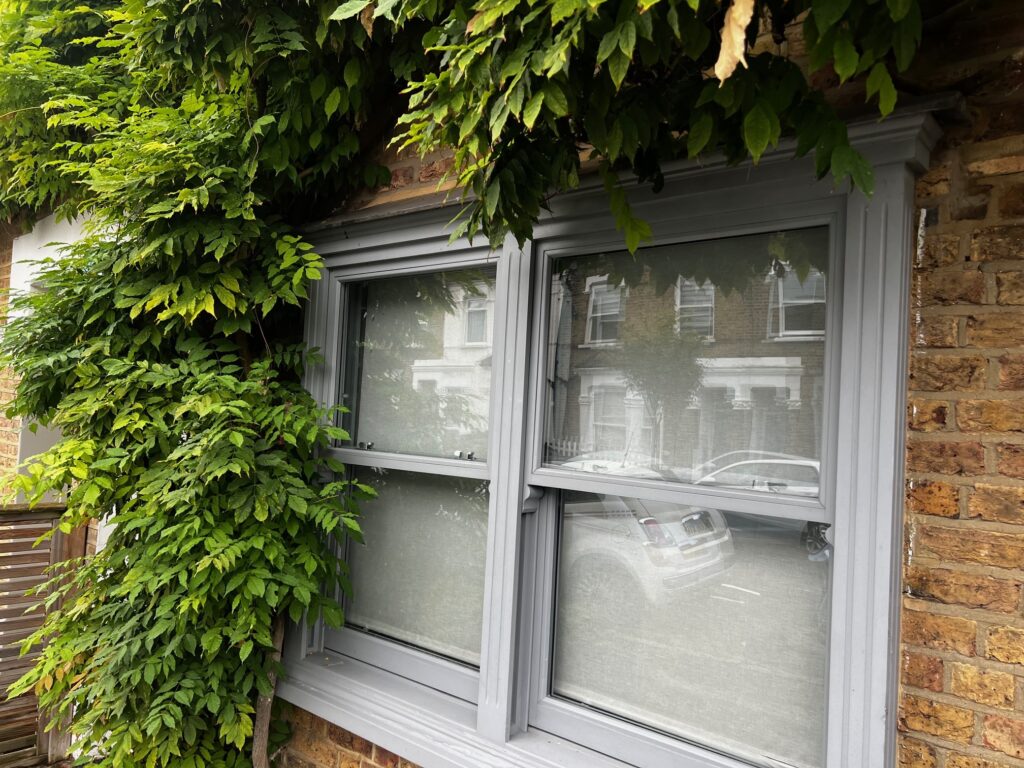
44,241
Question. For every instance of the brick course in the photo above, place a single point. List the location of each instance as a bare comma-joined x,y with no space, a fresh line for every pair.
318,744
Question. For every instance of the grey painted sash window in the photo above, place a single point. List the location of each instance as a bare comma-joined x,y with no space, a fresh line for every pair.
623,532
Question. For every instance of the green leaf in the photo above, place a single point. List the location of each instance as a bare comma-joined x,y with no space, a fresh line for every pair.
847,162
827,12
533,109
332,102
352,73
906,37
555,99
349,10
757,130
491,197
563,9
618,66
699,135
845,55
609,44
880,82
469,123
318,87
899,8
627,38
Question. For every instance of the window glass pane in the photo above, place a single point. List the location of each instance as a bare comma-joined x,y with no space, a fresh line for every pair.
711,626
605,313
701,383
412,384
419,576
476,322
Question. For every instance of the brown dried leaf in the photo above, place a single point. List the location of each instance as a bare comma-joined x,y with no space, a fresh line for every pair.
734,33
366,19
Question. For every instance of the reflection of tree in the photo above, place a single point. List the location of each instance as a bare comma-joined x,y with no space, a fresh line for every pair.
393,324
660,365
731,264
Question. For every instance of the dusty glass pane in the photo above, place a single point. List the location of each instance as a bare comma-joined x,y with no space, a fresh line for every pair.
714,352
418,363
419,576
707,625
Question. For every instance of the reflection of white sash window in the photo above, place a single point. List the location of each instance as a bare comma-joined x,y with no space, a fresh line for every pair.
695,308
604,313
476,321
798,307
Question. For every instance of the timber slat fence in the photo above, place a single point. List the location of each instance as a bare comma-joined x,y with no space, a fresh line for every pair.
23,740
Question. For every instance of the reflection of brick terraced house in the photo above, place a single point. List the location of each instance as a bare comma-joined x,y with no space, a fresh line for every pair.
753,497
753,380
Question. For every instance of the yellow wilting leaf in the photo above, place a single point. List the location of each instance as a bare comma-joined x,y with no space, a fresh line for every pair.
734,32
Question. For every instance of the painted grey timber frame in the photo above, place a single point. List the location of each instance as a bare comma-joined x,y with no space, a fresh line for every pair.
501,717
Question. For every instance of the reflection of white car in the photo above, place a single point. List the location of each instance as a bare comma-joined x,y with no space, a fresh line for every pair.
656,547
796,476
623,464
733,457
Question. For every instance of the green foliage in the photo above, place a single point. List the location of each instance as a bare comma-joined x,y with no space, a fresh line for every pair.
525,90
197,137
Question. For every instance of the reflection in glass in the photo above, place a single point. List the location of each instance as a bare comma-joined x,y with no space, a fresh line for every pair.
419,577
689,358
711,626
419,363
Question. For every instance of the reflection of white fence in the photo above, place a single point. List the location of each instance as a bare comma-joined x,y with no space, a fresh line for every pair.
563,450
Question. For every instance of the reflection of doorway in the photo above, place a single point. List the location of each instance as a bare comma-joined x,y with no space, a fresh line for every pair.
609,418
769,427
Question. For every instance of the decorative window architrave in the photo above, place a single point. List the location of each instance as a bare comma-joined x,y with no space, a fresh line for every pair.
438,730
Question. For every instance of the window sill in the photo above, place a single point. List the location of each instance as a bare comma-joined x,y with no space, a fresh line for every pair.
600,345
420,724
796,337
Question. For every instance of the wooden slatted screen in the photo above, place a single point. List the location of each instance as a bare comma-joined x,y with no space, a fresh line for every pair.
23,565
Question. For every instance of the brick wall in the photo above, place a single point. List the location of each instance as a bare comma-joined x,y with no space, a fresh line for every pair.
317,744
962,698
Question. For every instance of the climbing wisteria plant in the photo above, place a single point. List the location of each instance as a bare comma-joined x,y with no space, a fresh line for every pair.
197,138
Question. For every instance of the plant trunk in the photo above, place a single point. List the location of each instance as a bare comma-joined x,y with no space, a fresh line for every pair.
264,704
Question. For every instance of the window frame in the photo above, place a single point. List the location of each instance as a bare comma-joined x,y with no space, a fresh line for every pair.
710,335
433,670
607,733
438,730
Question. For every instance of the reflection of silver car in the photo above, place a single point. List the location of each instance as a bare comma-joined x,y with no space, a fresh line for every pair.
796,476
655,547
